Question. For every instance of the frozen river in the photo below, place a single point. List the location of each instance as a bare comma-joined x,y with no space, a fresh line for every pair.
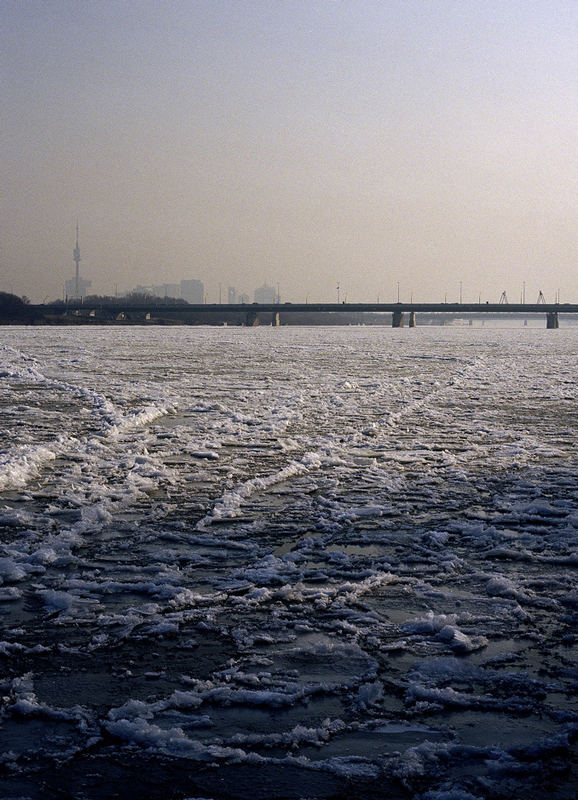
246,564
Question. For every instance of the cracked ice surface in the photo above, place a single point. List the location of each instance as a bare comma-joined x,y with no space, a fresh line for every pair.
288,563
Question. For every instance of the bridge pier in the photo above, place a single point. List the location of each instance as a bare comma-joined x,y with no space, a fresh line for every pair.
275,319
397,319
412,319
252,319
552,320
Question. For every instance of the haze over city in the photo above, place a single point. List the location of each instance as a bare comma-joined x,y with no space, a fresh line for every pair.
308,144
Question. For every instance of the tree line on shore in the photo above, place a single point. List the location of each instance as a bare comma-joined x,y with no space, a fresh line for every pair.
12,302
19,309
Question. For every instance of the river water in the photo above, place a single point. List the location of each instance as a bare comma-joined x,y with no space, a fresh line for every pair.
288,563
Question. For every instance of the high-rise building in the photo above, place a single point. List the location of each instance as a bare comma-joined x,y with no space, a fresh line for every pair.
265,294
172,290
232,295
140,289
193,291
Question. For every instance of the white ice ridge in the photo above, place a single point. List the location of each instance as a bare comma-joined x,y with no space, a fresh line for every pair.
115,419
19,466
229,504
394,418
23,463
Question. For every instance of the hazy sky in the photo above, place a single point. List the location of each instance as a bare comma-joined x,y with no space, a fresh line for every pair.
308,143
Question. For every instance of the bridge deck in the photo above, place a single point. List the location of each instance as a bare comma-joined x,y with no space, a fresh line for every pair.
430,308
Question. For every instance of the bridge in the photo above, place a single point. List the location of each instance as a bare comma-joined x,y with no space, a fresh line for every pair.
273,313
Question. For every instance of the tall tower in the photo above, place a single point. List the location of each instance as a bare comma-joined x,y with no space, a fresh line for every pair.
76,255
77,287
